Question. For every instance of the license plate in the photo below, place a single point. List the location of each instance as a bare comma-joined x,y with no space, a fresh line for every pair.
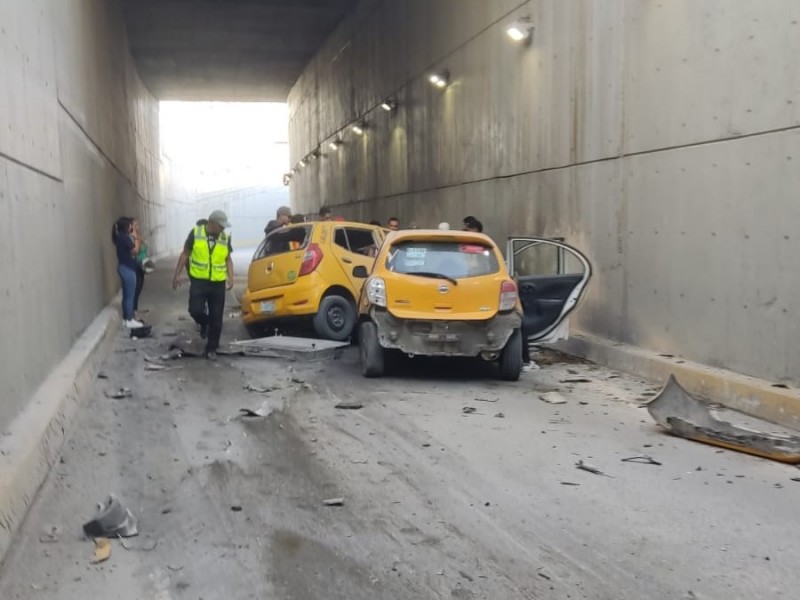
267,307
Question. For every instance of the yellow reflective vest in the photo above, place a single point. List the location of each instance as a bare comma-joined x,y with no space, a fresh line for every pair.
210,265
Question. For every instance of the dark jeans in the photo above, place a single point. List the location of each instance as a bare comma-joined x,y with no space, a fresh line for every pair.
139,285
207,306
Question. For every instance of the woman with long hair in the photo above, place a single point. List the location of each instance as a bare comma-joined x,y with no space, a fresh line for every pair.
127,246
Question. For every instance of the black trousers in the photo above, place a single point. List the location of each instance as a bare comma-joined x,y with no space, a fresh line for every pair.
207,307
139,285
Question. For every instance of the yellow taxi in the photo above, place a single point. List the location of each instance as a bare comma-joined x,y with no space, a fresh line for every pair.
306,271
451,293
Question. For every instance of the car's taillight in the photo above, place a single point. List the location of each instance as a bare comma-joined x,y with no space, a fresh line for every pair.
311,259
376,291
508,296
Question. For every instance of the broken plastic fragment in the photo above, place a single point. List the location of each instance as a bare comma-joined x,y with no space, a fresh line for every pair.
102,550
114,520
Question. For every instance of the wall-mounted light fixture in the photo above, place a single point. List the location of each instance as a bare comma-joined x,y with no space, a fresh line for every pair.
389,105
287,178
335,144
302,163
359,128
521,30
440,78
315,154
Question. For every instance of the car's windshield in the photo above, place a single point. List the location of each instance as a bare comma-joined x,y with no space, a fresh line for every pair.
449,259
287,239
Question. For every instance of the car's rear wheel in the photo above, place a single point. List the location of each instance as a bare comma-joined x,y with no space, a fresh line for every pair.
511,358
335,319
373,356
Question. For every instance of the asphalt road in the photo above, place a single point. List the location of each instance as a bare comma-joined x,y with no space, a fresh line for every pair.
438,503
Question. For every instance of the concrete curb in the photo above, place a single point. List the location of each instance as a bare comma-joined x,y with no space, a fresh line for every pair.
35,438
747,394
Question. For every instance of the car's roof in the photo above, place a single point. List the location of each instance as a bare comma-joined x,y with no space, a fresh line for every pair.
335,224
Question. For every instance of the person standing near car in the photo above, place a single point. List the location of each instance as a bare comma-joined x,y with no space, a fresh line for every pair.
393,224
282,218
127,246
206,257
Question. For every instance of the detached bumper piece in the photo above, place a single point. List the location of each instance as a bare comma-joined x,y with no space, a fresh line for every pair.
444,338
689,417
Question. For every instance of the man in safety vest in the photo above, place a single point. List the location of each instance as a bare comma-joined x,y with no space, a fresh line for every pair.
206,257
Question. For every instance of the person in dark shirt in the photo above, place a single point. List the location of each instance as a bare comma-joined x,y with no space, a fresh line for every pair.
282,218
472,224
127,246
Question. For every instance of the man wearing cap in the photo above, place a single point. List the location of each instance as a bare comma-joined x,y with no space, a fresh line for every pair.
206,257
282,219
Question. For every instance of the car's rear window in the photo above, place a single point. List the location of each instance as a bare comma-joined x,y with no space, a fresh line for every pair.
284,240
451,259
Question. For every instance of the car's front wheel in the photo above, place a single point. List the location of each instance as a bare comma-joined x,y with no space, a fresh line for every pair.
335,319
373,356
511,358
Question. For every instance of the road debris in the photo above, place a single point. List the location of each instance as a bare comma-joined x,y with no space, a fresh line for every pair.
102,550
236,508
500,415
466,576
576,380
248,413
102,375
552,398
485,400
148,548
141,332
114,519
469,410
645,460
569,483
589,468
50,537
175,569
120,394
689,417
261,390
334,502
349,405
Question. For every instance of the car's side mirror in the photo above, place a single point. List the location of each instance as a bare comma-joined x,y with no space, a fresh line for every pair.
361,272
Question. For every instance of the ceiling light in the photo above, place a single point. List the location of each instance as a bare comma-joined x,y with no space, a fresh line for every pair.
520,31
359,128
334,145
389,105
302,163
440,78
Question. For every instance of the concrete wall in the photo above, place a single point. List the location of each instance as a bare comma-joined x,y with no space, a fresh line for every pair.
78,148
660,137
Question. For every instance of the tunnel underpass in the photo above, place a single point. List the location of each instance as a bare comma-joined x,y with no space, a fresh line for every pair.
658,138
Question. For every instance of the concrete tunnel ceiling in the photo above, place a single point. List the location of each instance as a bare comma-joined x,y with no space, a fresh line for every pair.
245,50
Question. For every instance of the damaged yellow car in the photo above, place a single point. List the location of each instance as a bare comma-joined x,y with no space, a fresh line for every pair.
450,293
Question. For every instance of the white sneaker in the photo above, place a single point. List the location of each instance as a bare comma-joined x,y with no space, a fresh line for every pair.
530,366
133,324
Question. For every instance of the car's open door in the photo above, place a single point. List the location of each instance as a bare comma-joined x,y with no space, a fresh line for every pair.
552,278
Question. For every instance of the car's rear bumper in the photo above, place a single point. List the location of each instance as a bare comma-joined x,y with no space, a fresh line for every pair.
298,299
444,338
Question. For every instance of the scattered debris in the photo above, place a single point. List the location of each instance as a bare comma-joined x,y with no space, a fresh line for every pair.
468,410
50,537
141,332
175,569
236,508
148,548
298,380
552,398
102,550
576,380
114,519
466,576
500,415
120,394
543,576
349,405
426,445
645,460
334,502
569,483
260,390
485,400
689,417
589,469
102,375
795,479
248,413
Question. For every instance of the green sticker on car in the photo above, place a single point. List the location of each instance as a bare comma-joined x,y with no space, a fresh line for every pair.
292,275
